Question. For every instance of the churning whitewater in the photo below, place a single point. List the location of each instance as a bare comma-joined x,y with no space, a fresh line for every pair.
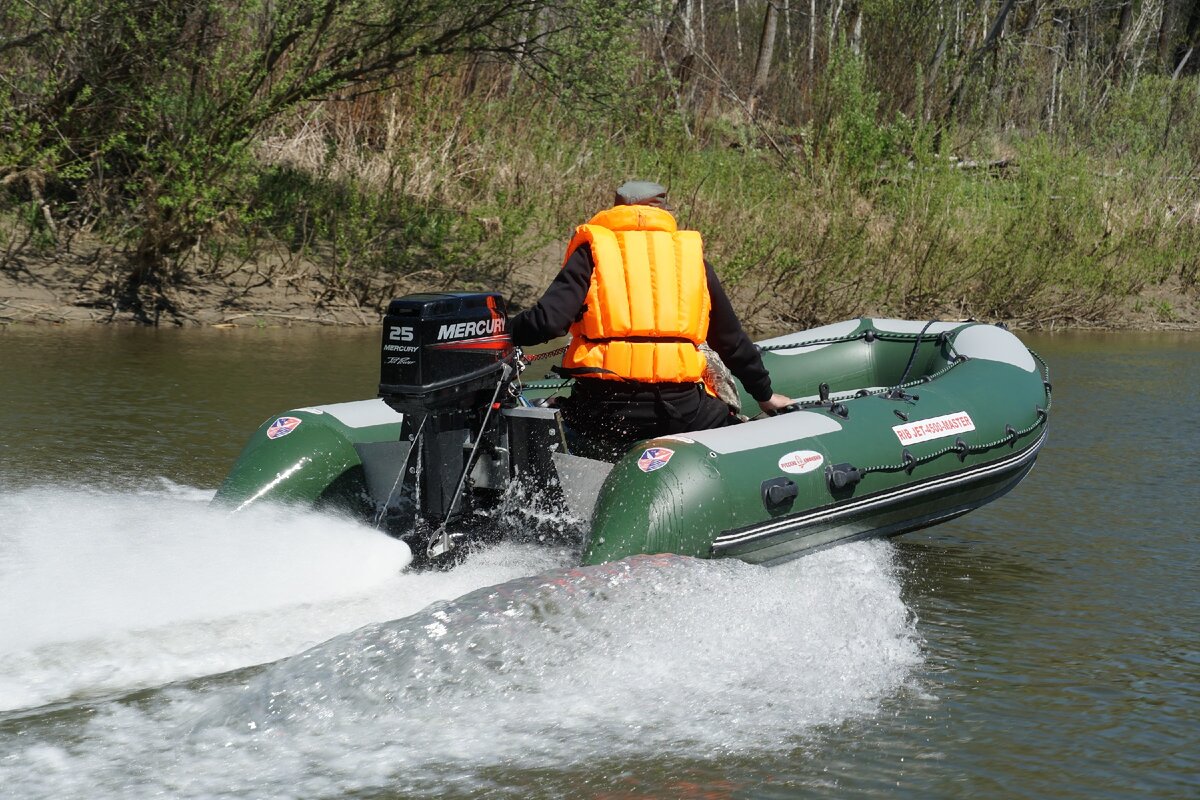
384,680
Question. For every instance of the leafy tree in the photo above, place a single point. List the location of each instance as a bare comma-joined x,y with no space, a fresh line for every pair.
149,107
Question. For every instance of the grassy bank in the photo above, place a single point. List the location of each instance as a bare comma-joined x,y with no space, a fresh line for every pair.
846,186
1029,230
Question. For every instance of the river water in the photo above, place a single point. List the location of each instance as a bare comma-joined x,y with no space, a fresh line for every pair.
1045,646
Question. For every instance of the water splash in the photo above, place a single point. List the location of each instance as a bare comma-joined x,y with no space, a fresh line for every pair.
653,654
103,592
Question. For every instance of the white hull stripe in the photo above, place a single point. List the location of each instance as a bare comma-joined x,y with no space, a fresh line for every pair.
886,497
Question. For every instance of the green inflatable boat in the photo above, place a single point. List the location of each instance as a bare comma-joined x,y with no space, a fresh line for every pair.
898,425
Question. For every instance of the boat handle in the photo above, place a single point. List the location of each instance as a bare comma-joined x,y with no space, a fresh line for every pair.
778,493
843,476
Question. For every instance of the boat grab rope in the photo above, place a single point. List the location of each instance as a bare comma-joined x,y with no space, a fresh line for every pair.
850,474
870,334
894,392
548,354
913,355
524,359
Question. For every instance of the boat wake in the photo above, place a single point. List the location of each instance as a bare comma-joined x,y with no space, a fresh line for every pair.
107,592
474,672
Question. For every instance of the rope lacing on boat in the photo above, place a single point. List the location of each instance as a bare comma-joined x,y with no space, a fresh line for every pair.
960,447
870,334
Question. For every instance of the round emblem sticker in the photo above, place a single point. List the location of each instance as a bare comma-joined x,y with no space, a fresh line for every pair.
798,462
282,427
654,458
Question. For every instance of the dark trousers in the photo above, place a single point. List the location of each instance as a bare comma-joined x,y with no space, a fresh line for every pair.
609,416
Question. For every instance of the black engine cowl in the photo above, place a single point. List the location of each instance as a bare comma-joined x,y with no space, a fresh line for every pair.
443,352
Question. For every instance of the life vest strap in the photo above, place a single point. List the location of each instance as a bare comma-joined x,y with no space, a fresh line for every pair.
638,339
580,372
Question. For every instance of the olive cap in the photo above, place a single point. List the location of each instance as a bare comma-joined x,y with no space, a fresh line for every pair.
642,193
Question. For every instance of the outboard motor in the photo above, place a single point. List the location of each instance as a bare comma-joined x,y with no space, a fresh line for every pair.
443,352
446,363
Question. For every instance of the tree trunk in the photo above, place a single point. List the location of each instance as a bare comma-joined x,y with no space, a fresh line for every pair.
997,29
1027,31
687,64
787,30
856,23
1162,46
835,16
812,38
682,17
689,28
961,49
737,27
976,59
1056,69
766,49
935,64
1121,48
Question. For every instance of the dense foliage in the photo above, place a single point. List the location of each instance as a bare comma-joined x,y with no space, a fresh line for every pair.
1031,159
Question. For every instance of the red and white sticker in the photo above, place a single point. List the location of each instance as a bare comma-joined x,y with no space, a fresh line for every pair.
798,462
282,427
654,458
934,428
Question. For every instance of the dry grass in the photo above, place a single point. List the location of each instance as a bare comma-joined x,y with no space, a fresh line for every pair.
394,192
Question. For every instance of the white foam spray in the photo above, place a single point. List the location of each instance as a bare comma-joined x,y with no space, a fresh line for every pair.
104,592
652,655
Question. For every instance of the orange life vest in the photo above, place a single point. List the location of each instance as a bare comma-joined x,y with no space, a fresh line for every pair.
648,303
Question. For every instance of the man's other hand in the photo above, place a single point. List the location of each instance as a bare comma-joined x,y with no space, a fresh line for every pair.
774,404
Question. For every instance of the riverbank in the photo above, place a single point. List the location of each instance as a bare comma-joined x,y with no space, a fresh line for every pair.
75,289
1029,230
78,288
1033,235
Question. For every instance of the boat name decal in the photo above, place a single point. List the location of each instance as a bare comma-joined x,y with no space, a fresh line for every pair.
934,428
653,458
464,330
282,427
798,462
